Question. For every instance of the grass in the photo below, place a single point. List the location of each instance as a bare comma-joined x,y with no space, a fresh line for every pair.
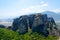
6,34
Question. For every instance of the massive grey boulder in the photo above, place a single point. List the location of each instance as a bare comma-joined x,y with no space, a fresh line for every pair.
20,24
15,24
37,23
23,25
52,26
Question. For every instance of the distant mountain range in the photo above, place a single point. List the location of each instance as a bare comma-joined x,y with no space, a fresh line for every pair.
56,16
6,20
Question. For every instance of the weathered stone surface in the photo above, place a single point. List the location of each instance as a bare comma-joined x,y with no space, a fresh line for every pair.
52,26
20,24
37,23
15,24
23,25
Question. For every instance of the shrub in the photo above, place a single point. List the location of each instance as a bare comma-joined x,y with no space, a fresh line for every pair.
6,34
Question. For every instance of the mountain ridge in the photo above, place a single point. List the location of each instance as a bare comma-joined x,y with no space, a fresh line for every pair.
56,16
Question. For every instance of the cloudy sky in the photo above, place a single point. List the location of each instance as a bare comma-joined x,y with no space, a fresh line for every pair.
14,8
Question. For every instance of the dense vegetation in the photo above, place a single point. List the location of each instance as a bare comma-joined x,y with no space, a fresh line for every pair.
7,34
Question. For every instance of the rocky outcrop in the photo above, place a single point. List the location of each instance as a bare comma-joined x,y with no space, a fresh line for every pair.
2,26
37,22
52,26
23,25
15,24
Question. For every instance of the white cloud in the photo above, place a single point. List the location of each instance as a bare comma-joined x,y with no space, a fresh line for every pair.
8,13
34,9
56,10
11,13
42,2
44,5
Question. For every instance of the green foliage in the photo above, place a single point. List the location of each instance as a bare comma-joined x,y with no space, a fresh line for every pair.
6,34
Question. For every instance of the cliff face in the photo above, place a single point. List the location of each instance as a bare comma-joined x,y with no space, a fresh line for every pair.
37,22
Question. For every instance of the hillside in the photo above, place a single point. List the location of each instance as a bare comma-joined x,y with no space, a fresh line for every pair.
6,34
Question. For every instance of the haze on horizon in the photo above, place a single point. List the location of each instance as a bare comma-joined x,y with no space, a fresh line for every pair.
15,8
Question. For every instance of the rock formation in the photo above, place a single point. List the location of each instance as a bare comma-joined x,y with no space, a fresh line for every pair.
2,26
52,26
37,22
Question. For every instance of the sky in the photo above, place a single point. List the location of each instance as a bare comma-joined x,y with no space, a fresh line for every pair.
15,8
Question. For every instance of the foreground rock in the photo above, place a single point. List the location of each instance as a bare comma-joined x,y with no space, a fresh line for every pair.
37,22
